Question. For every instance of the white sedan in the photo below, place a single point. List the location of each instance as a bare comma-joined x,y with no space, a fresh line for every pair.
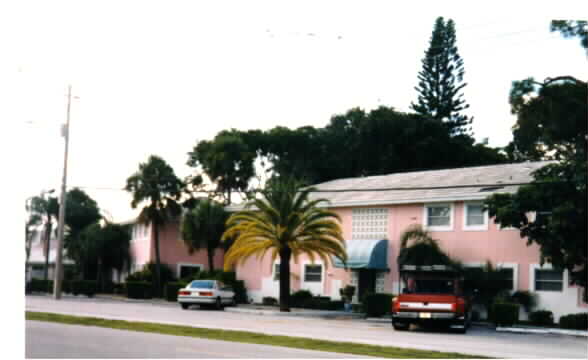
206,292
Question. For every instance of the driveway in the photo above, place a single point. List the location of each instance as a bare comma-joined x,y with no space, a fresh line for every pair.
478,341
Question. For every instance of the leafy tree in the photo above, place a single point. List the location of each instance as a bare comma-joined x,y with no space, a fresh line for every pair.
227,160
156,184
202,228
551,124
572,28
285,223
100,249
48,209
80,211
441,80
551,118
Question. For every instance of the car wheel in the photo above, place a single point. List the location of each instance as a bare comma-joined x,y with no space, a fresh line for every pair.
218,304
233,301
185,306
400,326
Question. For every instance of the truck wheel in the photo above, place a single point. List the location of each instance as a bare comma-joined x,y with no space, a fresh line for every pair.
400,326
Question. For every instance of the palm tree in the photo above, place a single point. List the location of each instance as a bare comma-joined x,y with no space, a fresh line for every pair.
424,250
49,209
287,224
203,227
156,184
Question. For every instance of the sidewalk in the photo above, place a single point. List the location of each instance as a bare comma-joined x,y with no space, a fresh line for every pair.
325,314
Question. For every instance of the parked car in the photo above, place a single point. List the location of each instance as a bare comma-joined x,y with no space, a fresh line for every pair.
433,295
206,293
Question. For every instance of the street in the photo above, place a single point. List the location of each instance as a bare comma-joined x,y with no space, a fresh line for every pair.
478,341
51,340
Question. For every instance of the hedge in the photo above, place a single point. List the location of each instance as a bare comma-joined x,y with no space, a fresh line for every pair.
541,317
171,290
377,305
300,298
268,300
505,314
38,285
83,287
139,289
574,321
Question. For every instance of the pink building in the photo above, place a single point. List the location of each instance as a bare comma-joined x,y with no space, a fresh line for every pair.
172,250
448,203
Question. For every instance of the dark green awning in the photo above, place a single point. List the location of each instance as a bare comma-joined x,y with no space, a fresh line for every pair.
365,254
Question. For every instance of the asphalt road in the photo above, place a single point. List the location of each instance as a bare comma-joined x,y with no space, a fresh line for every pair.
478,341
52,340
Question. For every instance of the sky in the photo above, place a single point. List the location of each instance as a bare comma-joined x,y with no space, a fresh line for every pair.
157,77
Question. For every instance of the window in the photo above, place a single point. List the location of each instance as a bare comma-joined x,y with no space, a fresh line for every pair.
187,270
548,280
506,278
475,217
313,273
439,216
369,223
276,272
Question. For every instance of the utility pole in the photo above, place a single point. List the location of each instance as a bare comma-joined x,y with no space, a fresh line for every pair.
58,273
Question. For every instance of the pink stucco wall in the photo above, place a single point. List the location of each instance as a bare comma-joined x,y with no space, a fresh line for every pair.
493,244
172,250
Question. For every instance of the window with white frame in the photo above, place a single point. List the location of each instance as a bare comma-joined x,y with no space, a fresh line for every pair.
439,216
369,223
475,217
313,273
548,280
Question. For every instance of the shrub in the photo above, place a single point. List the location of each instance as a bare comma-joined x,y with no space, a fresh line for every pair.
66,286
38,285
300,298
574,321
240,292
505,314
377,305
84,287
171,290
268,300
147,274
139,289
541,317
527,299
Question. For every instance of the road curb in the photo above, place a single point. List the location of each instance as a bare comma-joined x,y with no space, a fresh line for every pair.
578,333
314,314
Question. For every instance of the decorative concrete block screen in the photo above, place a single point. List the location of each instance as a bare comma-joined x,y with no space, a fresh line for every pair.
369,224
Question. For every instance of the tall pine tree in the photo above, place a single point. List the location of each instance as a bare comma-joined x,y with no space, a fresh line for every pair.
441,81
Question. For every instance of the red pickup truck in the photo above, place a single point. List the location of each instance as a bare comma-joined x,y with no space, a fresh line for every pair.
431,295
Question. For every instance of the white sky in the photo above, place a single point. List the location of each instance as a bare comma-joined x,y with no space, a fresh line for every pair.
156,77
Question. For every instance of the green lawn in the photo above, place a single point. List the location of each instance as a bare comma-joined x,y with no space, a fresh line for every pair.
249,337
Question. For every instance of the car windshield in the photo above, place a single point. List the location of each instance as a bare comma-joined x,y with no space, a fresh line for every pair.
435,286
202,284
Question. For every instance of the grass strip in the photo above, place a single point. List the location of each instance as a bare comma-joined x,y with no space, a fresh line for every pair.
249,337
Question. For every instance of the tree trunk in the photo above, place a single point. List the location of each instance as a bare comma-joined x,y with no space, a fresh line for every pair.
285,255
48,248
157,260
210,253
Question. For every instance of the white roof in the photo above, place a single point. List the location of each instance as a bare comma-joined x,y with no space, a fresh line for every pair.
472,183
